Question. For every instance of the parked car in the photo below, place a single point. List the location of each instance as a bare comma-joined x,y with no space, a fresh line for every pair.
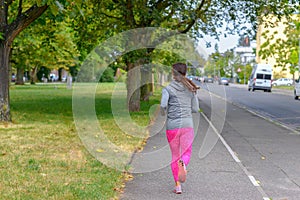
53,78
208,80
283,81
297,88
197,78
13,78
223,81
190,77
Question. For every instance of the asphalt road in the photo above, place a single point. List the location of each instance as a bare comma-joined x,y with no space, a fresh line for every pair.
279,106
236,155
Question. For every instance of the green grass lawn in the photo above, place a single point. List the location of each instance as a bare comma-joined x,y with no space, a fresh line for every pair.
41,155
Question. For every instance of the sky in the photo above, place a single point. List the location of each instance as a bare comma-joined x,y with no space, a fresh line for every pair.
229,42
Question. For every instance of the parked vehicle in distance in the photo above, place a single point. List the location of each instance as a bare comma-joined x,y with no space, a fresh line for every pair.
208,80
13,78
297,88
261,78
282,81
197,78
53,78
189,77
223,81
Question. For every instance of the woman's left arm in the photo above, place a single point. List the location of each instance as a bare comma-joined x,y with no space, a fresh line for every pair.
164,102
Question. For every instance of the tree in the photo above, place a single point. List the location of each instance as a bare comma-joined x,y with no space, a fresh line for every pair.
45,43
15,16
284,50
220,64
195,18
9,30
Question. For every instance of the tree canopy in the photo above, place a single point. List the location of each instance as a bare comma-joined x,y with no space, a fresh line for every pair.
92,21
45,43
285,50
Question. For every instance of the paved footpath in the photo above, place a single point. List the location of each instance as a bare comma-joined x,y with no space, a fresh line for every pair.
229,168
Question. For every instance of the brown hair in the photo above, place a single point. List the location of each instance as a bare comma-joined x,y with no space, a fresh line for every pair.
179,68
179,72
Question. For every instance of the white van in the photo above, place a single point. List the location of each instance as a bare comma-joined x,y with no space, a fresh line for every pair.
261,78
297,88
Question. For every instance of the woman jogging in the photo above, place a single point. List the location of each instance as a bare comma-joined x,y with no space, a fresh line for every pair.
178,101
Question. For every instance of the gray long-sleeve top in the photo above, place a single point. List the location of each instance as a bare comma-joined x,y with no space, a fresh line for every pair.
179,103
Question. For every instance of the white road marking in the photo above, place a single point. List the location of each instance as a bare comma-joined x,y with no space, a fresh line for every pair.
236,159
232,153
253,180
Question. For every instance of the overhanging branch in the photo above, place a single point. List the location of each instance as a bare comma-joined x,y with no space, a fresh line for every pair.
20,8
111,16
8,2
196,16
129,15
161,5
23,20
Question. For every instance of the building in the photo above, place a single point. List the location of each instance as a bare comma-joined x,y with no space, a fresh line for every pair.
272,33
245,50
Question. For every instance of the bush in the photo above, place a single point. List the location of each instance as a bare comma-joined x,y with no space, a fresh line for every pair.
108,75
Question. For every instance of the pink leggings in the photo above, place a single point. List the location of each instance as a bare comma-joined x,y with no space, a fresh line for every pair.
180,141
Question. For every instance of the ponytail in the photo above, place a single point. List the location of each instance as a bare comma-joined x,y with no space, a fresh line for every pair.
189,84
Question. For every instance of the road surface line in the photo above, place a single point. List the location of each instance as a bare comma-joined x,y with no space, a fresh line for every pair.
237,160
222,139
253,180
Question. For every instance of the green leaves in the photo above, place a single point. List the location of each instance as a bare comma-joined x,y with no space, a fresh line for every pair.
283,45
46,43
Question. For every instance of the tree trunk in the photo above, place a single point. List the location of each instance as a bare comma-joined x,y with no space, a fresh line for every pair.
161,78
4,86
133,87
33,77
19,77
146,80
60,74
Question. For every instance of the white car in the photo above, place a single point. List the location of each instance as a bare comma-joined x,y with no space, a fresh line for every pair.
283,81
297,88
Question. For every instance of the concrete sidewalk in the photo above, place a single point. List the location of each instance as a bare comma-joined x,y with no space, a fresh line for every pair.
213,177
254,160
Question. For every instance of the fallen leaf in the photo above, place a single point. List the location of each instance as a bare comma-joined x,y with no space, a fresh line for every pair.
100,150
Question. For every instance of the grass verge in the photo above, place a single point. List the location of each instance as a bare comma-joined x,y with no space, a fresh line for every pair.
41,155
285,87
